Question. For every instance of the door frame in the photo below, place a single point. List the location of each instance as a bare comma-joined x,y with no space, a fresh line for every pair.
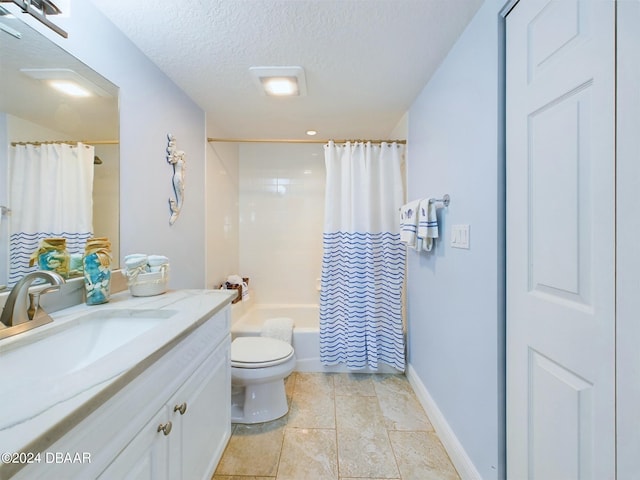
502,226
627,229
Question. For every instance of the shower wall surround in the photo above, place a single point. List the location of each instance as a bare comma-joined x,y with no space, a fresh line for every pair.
222,235
281,221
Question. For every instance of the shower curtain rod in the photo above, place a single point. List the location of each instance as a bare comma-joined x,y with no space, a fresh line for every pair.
69,142
284,140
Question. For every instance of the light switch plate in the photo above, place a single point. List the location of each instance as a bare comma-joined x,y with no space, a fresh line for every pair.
460,236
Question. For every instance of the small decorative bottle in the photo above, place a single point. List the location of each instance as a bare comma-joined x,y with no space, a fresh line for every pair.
52,255
97,270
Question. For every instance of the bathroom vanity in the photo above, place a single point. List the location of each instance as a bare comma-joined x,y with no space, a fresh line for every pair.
135,388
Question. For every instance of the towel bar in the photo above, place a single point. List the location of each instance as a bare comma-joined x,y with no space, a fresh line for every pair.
446,199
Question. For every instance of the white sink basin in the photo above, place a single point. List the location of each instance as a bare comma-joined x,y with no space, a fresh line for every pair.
76,344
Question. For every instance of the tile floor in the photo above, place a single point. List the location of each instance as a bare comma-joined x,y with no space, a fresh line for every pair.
340,427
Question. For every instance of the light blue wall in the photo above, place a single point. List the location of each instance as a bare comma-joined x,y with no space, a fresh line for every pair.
455,297
151,106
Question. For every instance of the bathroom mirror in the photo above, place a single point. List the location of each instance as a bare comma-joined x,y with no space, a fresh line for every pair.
32,112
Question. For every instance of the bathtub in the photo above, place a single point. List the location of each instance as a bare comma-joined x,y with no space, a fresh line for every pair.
247,320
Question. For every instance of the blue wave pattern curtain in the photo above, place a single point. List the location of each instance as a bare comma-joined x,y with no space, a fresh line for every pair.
50,195
363,261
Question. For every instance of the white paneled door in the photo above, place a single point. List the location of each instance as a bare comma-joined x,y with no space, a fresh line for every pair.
560,130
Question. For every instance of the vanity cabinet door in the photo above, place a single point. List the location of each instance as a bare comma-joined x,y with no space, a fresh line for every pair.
201,417
146,457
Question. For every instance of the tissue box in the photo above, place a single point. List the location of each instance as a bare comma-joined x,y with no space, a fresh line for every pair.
149,284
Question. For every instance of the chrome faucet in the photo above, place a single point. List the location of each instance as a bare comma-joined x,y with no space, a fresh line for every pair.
16,312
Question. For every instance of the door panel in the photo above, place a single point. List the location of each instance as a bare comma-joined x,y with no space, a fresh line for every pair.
560,128
145,457
560,404
557,27
558,191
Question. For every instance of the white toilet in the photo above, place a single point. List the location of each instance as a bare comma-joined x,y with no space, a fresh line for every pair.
259,366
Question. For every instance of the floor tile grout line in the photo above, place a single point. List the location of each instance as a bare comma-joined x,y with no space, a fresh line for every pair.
348,389
284,427
335,424
386,429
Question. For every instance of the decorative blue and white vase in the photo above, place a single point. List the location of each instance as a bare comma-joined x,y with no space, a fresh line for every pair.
97,271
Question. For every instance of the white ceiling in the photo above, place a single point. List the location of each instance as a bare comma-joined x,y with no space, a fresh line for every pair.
365,60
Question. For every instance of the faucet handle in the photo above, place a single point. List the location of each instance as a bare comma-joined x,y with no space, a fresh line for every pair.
34,300
34,304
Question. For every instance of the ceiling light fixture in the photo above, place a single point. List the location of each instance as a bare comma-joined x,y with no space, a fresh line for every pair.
280,86
69,87
311,133
66,80
280,81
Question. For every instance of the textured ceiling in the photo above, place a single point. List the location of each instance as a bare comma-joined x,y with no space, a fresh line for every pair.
365,60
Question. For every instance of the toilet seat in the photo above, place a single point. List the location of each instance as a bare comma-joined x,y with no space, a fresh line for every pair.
259,352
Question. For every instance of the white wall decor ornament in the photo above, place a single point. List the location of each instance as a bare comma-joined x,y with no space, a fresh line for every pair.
176,158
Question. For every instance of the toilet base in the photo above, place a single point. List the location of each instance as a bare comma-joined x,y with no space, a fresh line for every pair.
258,403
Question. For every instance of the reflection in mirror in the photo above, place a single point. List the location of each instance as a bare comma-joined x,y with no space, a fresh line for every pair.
59,150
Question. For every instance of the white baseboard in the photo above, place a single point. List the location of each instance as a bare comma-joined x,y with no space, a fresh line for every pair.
452,445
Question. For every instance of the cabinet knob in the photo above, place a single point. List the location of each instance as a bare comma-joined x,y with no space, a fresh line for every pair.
181,408
166,428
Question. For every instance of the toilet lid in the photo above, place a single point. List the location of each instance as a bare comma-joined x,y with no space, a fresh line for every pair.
259,350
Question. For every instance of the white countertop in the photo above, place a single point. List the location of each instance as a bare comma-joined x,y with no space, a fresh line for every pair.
34,414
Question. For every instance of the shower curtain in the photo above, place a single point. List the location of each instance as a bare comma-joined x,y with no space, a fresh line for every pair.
50,195
363,261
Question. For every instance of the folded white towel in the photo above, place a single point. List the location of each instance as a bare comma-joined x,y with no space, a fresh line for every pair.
427,223
409,223
234,280
245,292
280,328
